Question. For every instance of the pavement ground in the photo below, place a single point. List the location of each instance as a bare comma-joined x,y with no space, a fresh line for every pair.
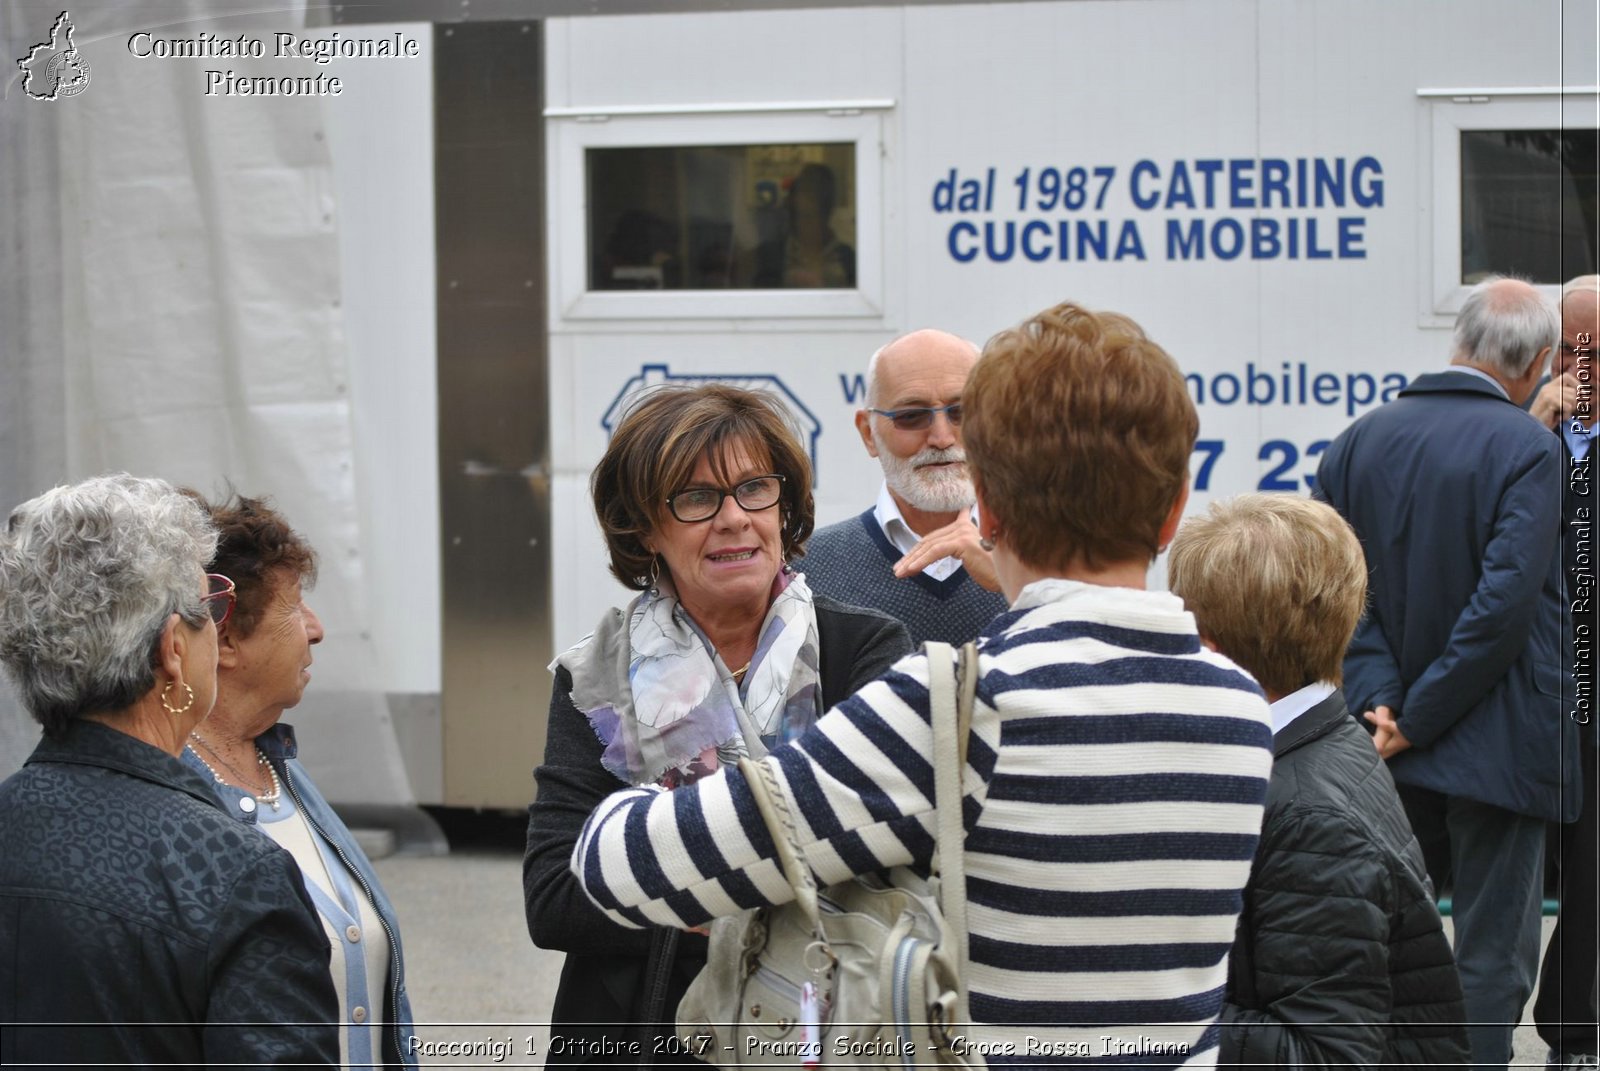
479,989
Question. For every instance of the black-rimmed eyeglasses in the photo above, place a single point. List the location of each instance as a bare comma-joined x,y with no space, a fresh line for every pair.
219,598
920,419
694,504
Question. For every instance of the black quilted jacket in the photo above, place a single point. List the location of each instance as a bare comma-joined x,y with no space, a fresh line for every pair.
128,898
1340,957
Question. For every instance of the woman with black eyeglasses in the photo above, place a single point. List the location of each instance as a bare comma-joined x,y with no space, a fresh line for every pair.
703,495
140,925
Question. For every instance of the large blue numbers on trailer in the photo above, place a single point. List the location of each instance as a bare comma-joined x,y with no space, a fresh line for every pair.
1315,450
1069,189
1289,454
1273,480
1284,454
1212,448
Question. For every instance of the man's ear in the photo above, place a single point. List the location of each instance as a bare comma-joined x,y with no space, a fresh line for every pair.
1521,389
1542,362
864,426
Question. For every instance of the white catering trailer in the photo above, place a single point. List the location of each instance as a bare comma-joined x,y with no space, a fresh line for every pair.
539,210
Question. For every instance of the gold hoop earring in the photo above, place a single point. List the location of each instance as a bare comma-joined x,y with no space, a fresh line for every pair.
653,580
177,711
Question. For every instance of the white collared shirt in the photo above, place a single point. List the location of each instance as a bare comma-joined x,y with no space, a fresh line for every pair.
1481,374
887,513
1291,706
1579,438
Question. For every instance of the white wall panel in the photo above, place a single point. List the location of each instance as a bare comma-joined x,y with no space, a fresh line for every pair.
380,133
987,90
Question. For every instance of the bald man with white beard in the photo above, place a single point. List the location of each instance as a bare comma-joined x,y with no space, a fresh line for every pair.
915,554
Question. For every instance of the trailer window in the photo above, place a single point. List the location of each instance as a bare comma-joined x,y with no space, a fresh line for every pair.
1530,204
770,211
721,217
1513,191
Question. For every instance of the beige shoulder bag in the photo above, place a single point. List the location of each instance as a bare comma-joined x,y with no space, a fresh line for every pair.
861,973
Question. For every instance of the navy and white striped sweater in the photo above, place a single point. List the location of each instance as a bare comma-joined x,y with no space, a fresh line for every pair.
1115,781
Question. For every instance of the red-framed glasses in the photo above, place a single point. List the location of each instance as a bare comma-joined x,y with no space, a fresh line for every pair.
219,598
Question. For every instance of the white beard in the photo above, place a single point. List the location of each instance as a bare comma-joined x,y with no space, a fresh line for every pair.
934,490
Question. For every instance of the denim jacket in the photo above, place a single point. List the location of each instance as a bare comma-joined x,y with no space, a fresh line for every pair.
278,744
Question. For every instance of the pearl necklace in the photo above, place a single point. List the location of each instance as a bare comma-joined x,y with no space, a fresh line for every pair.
273,797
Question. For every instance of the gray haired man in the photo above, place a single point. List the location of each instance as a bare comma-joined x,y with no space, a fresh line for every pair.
1456,496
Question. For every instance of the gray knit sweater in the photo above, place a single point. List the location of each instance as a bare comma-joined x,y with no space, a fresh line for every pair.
853,562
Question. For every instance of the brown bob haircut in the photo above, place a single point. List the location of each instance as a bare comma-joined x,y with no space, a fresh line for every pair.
257,550
1078,429
654,452
1277,582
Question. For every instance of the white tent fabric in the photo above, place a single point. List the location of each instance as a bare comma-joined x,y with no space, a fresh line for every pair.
170,306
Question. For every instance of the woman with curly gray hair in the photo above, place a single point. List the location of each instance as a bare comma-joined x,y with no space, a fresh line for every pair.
127,895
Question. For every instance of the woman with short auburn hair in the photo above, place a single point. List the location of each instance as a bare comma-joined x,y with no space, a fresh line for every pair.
139,924
703,495
1115,767
1080,428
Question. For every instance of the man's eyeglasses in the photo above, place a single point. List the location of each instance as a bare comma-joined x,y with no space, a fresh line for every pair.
219,598
920,419
703,503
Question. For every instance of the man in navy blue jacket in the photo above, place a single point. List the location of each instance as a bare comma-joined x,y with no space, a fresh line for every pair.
1455,492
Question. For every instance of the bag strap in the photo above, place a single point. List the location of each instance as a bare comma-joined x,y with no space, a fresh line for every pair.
952,692
773,804
950,700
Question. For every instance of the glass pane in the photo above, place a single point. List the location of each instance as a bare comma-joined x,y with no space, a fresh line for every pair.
718,217
1529,203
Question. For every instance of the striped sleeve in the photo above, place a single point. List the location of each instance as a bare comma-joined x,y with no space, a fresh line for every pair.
862,783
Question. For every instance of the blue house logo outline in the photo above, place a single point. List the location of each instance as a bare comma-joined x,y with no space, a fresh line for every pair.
655,375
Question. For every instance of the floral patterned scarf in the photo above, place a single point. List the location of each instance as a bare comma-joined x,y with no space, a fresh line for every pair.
667,708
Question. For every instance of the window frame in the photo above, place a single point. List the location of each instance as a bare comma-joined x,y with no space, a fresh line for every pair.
1450,112
573,131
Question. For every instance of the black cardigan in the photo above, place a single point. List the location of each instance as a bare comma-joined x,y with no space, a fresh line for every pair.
598,1002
